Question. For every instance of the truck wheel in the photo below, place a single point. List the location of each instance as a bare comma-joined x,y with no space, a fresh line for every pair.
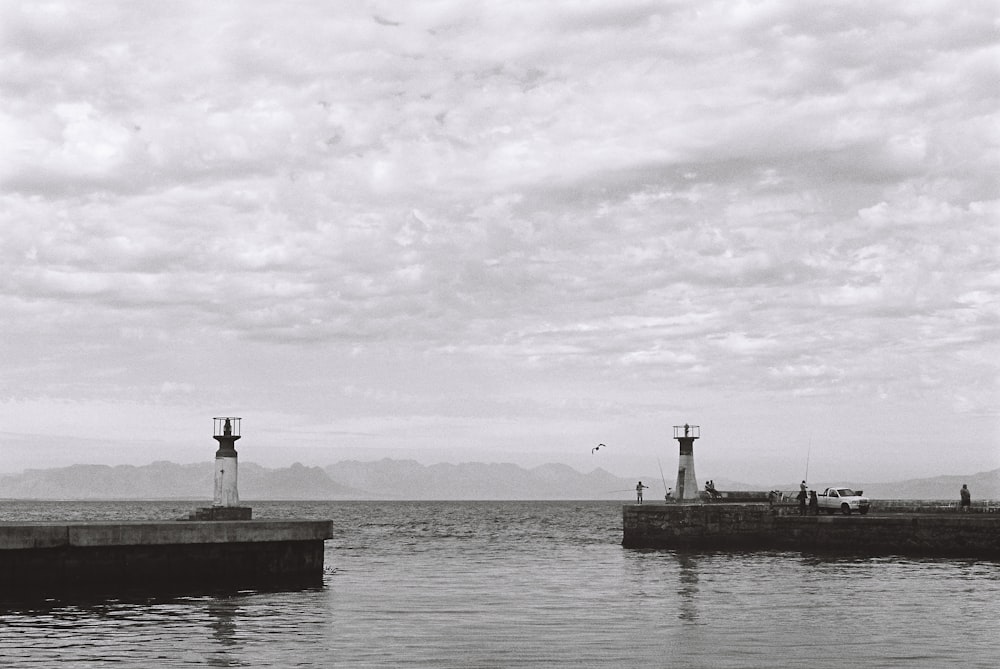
845,508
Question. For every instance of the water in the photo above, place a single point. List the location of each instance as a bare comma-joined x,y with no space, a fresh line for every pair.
524,584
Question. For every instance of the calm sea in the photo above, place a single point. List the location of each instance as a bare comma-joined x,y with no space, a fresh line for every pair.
524,584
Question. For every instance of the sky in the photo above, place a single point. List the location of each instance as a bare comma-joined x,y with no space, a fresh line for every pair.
452,231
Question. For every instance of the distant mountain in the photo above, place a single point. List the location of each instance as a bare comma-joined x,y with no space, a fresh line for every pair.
168,480
295,482
985,485
409,480
159,480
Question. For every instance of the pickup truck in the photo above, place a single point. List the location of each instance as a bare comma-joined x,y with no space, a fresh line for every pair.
844,499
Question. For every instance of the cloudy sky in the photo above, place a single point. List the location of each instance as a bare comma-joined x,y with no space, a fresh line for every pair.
503,232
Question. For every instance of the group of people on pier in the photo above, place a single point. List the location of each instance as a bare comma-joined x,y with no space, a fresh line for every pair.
807,495
808,504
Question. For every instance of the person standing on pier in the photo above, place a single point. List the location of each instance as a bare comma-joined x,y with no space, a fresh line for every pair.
966,498
802,498
638,492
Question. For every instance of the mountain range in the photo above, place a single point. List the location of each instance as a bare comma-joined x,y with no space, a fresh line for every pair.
409,480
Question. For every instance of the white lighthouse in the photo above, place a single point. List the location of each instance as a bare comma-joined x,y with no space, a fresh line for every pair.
226,500
687,484
227,431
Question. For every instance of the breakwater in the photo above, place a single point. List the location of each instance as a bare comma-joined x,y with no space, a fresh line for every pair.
762,526
55,558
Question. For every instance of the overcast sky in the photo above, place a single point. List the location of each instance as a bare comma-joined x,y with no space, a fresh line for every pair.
503,232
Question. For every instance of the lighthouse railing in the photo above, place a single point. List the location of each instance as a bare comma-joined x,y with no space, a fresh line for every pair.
687,431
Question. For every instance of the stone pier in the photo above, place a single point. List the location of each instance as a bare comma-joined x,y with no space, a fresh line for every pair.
56,558
758,526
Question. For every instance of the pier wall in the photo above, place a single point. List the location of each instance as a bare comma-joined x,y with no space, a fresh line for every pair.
932,506
958,535
56,558
758,526
696,525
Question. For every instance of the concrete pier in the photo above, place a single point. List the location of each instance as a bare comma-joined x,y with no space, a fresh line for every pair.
56,558
759,526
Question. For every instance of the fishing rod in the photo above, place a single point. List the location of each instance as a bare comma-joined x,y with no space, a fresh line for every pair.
808,453
666,493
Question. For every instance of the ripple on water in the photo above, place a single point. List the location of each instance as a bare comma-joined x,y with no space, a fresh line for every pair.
530,584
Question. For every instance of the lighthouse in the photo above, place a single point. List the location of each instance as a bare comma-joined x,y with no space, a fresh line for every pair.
687,484
226,500
227,431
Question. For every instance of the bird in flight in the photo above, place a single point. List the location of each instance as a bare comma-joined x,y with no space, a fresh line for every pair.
596,448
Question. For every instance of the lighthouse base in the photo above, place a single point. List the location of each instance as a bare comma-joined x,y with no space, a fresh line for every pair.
226,470
222,513
686,487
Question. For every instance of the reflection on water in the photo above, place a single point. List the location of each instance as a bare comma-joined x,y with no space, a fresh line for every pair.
687,591
467,585
664,582
222,613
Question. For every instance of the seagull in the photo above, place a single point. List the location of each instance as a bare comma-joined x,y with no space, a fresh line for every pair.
595,448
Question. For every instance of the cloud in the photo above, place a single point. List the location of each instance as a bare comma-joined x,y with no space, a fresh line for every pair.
767,197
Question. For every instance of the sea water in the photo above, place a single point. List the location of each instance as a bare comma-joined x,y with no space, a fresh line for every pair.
522,584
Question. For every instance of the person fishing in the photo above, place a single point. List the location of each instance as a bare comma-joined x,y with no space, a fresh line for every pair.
638,492
802,498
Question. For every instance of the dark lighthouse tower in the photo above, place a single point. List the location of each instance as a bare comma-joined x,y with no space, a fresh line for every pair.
687,484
